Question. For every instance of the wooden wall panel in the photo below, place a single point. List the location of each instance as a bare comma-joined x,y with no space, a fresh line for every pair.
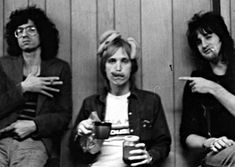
84,64
182,12
59,12
39,3
233,18
158,25
225,10
157,56
128,22
105,21
9,6
1,27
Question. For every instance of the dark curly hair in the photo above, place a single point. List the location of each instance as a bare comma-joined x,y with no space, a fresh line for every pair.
111,50
48,33
209,23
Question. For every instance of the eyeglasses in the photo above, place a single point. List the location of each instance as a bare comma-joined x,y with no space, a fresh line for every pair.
30,30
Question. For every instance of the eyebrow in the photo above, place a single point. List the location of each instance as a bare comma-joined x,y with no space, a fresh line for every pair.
30,25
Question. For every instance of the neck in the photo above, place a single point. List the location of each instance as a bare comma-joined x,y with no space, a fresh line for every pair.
32,62
32,58
219,68
120,90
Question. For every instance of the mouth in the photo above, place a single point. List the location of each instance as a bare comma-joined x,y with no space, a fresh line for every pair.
26,42
118,75
208,50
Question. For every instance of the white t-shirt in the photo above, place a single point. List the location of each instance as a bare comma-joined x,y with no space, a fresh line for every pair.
117,114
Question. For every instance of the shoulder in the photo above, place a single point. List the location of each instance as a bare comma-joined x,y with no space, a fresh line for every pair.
93,101
57,62
145,94
9,59
56,65
10,63
92,98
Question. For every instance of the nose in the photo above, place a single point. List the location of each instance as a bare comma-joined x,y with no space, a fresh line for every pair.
204,43
118,66
24,33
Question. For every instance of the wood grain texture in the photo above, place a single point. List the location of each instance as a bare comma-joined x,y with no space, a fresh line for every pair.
105,21
59,12
233,19
9,6
159,26
183,64
84,59
128,22
39,3
157,75
1,27
225,10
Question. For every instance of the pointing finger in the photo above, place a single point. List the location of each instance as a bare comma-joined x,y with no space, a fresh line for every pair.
186,78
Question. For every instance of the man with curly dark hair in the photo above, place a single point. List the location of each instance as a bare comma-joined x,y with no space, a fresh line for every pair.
36,104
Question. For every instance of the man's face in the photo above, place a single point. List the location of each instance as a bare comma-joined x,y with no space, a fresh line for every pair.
118,69
28,37
209,46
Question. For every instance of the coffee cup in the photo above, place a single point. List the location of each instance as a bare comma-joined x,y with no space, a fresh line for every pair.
102,130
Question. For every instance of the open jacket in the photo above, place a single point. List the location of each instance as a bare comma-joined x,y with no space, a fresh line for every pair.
146,120
52,114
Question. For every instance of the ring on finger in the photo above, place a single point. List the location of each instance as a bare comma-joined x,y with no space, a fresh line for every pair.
51,82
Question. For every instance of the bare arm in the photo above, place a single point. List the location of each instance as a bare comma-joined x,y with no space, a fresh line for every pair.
202,85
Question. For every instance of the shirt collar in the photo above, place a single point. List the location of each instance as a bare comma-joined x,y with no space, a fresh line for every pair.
103,95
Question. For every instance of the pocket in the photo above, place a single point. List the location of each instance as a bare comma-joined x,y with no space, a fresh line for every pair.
146,127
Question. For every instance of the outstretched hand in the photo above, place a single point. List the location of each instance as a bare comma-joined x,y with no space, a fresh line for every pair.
41,84
199,84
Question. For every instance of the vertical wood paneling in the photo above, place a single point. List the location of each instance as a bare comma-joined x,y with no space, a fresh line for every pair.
39,3
233,19
59,12
158,25
182,12
84,57
225,10
128,22
105,21
157,55
9,6
1,27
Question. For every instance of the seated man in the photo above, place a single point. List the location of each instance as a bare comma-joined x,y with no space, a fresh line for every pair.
130,110
208,119
35,91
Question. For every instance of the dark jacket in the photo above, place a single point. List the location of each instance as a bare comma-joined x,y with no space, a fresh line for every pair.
52,114
146,120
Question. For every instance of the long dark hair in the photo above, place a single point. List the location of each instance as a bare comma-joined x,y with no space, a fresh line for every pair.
48,33
209,23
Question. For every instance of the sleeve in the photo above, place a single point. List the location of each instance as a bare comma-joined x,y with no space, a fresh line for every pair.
56,117
10,95
74,141
160,144
192,121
